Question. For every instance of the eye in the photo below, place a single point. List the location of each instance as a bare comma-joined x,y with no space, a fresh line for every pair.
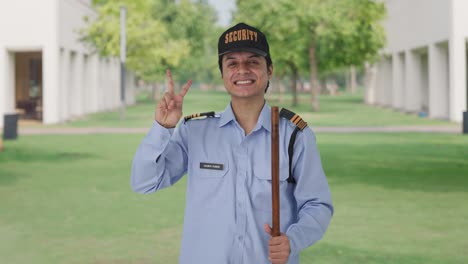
231,63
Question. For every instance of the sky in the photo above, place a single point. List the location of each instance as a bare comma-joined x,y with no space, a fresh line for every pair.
224,8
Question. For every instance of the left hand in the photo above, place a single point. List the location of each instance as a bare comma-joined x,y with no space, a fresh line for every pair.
278,247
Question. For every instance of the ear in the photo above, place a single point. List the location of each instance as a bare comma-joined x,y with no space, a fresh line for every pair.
270,71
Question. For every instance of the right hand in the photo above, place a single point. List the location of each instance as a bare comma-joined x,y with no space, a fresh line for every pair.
169,109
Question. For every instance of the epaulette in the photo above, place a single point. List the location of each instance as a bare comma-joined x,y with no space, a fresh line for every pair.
300,125
294,118
196,115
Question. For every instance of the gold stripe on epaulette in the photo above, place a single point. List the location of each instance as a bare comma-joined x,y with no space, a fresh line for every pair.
298,121
294,118
207,114
191,116
302,124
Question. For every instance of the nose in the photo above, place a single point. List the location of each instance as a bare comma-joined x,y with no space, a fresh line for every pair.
243,68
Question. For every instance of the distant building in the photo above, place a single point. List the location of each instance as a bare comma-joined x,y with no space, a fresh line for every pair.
46,74
423,68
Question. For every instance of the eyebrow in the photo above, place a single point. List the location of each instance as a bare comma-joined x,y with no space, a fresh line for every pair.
233,58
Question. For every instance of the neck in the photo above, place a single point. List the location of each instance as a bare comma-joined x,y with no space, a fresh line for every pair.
247,112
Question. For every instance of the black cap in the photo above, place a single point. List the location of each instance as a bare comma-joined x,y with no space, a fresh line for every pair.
243,37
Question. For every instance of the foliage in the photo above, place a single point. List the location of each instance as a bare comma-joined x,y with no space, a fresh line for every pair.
160,34
351,36
195,23
318,35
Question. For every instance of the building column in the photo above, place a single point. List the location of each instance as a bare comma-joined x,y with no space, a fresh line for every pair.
388,82
93,66
438,82
380,83
457,91
51,97
3,82
72,95
457,61
412,83
64,76
7,82
398,80
86,92
78,72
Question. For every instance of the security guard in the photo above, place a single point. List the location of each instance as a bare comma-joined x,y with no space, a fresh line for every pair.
226,157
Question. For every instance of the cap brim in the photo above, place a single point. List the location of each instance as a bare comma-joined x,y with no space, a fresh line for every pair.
253,50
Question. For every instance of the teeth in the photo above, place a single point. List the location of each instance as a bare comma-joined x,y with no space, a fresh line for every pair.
244,82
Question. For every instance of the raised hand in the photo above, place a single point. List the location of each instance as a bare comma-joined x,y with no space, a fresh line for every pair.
169,109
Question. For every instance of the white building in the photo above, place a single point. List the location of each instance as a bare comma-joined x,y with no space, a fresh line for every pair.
45,72
424,65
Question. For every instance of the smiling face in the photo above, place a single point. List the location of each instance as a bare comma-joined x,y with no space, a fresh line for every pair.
245,75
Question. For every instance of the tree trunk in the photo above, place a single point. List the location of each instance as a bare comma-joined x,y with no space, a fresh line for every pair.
294,76
281,93
369,83
353,80
313,78
348,81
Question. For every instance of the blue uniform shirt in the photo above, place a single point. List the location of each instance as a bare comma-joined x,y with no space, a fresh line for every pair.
228,197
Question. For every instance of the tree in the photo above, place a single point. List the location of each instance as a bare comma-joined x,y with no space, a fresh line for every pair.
282,33
195,23
330,34
161,34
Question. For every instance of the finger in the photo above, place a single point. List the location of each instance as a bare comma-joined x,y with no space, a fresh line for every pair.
171,105
276,241
185,88
170,81
278,260
267,229
277,249
178,101
162,103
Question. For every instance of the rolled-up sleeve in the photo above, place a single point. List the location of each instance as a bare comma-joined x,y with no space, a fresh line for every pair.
312,194
160,160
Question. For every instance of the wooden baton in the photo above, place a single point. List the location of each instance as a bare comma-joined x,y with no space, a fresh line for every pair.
275,171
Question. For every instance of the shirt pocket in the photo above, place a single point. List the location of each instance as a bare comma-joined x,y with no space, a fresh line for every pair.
261,188
208,185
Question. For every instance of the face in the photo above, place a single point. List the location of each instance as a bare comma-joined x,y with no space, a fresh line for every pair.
245,75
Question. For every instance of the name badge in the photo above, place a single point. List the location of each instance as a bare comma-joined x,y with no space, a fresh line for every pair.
211,166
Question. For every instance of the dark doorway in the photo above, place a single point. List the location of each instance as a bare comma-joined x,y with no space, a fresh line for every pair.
28,85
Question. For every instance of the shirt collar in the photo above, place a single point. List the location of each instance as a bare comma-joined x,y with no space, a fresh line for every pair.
227,116
264,119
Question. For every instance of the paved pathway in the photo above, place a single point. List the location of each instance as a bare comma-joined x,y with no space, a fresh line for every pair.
120,130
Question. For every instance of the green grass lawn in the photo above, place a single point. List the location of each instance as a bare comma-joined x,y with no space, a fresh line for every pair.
399,198
343,110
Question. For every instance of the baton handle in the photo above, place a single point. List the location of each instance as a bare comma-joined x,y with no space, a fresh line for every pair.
275,171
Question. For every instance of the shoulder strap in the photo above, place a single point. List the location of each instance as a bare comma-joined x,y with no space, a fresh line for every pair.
300,125
207,114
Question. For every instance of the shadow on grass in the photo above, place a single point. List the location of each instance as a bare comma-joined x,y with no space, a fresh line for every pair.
26,155
14,157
